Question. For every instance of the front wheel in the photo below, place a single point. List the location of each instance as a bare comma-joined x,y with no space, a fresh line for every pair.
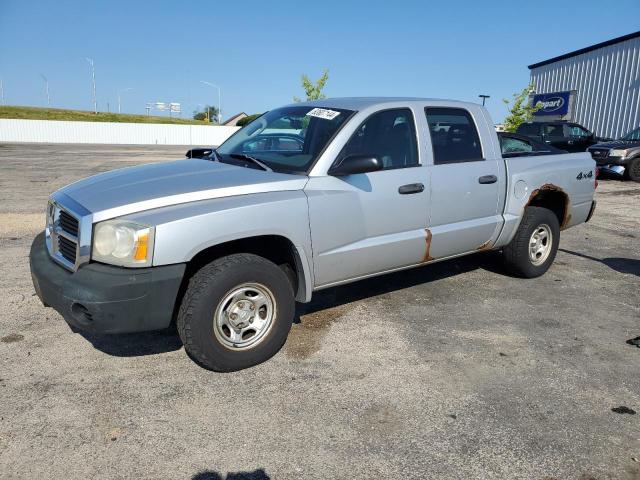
632,172
534,246
237,312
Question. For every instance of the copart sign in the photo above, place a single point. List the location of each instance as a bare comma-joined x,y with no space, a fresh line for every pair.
556,103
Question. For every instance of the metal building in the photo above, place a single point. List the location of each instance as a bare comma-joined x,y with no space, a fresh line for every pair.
597,86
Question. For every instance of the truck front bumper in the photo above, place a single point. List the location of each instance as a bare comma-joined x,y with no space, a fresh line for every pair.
100,298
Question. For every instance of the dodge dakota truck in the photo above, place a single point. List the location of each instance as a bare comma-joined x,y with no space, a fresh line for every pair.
306,197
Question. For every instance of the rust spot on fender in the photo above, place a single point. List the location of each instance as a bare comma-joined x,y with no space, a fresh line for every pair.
427,257
485,246
550,187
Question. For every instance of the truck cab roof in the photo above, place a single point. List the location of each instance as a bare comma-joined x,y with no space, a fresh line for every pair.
360,103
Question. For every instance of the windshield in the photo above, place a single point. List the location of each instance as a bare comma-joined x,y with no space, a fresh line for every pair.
287,139
632,135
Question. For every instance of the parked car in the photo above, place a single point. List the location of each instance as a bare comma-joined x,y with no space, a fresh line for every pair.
567,136
226,245
621,157
515,145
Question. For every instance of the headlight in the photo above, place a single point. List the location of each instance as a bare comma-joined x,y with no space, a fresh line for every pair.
123,243
617,153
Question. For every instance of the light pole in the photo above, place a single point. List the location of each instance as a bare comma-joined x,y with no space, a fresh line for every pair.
484,97
219,105
121,92
93,83
1,92
46,89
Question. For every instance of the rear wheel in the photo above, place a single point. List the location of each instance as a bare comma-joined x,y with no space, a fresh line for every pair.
632,172
535,244
237,312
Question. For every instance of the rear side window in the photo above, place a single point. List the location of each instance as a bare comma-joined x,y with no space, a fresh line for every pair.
553,130
453,135
529,129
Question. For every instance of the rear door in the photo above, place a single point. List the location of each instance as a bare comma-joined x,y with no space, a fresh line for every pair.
554,134
465,186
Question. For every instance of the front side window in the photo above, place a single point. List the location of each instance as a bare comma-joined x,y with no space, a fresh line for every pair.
389,135
632,135
453,135
514,145
288,139
578,131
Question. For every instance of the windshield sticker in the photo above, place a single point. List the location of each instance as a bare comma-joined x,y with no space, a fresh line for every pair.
323,113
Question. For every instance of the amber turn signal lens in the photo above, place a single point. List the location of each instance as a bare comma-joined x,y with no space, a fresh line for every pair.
142,245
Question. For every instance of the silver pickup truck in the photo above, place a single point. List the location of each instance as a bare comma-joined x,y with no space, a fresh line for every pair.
306,197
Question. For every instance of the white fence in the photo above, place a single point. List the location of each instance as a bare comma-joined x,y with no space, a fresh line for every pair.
49,131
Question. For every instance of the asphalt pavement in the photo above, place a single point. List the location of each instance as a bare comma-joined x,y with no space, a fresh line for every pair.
451,371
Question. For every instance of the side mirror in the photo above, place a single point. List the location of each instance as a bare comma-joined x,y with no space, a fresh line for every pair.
354,164
199,153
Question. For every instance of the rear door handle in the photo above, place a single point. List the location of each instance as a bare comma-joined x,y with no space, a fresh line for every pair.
411,188
488,179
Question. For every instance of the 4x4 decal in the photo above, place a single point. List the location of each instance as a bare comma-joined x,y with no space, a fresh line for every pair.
585,176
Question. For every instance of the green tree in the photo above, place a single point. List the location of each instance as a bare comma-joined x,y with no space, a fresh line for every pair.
248,119
311,89
208,114
521,110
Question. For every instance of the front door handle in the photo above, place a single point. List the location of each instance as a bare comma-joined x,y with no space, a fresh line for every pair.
488,179
411,188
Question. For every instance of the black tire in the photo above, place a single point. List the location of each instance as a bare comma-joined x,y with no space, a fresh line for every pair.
516,255
632,171
208,287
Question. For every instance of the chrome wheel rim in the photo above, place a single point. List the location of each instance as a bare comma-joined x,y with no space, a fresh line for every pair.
540,244
244,316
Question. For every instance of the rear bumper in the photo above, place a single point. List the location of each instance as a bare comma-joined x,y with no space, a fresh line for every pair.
106,299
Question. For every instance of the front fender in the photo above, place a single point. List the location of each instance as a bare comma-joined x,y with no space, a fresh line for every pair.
182,231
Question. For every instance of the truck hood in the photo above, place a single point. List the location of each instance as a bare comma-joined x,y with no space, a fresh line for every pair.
135,189
622,144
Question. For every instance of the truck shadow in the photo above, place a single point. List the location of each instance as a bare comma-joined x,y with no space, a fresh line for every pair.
619,264
163,341
371,287
135,344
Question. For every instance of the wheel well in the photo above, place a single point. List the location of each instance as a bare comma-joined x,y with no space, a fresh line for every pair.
552,198
275,248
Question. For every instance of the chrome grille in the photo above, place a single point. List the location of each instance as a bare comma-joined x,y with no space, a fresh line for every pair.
599,153
68,223
68,249
64,235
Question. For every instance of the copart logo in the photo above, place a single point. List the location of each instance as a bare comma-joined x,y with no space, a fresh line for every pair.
551,104
585,176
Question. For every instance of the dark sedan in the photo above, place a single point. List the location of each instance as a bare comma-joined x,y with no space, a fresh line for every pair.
621,156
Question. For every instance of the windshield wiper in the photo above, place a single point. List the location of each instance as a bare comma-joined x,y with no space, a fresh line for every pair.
242,156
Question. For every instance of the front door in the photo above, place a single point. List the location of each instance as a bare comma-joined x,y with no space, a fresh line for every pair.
579,138
465,184
369,223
